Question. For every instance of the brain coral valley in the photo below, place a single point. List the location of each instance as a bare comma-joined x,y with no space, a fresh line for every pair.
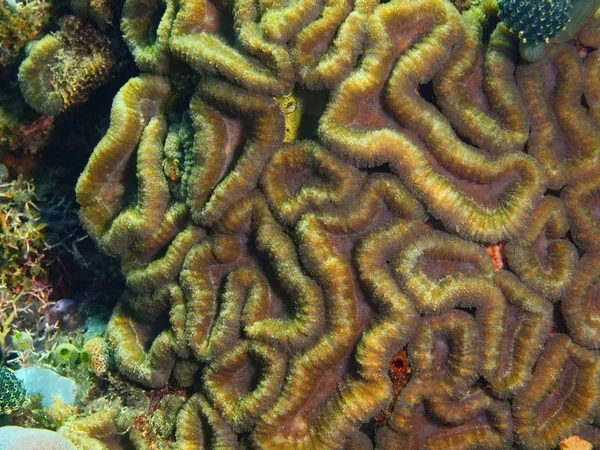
298,190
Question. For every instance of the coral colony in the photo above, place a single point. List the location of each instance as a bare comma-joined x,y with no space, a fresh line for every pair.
351,225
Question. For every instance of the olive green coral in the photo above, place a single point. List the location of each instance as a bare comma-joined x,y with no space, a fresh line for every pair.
540,256
20,22
63,68
544,413
322,199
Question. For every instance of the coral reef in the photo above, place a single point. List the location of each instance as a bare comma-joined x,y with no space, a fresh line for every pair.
323,199
546,410
62,68
20,22
22,238
100,11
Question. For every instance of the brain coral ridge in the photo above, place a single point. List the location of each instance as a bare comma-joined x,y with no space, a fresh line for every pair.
322,199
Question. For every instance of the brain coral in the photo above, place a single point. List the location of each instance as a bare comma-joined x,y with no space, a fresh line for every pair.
323,199
62,68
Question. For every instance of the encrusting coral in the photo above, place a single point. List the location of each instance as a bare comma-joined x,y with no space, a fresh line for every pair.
62,68
322,201
20,22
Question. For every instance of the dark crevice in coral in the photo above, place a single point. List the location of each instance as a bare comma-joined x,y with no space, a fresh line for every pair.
558,321
436,224
569,237
526,145
154,329
469,310
427,93
553,192
584,102
154,18
226,25
488,29
130,180
383,168
313,106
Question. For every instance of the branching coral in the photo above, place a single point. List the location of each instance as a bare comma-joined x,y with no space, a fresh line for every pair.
280,246
24,290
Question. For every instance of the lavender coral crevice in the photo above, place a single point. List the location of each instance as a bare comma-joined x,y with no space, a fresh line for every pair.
323,200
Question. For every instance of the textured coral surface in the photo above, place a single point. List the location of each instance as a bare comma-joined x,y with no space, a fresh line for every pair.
299,190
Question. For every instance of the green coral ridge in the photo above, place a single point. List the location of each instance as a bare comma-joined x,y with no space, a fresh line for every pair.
12,392
63,68
20,22
322,198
